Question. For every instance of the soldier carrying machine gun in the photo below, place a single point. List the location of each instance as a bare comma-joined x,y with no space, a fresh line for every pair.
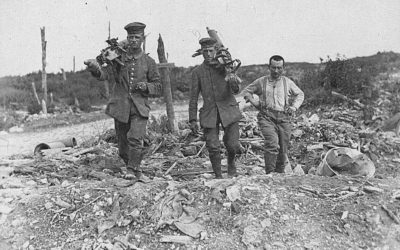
223,58
135,78
215,80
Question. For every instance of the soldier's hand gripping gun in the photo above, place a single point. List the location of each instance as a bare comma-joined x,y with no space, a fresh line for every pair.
111,54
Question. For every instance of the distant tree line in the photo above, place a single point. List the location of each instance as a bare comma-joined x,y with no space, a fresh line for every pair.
348,76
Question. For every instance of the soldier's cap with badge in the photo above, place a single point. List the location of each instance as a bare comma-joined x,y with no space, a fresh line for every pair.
135,28
207,42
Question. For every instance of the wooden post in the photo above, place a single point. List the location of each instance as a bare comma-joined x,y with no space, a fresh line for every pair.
166,82
35,93
44,76
106,83
109,30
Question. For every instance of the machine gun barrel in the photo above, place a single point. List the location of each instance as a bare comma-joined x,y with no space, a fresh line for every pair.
214,34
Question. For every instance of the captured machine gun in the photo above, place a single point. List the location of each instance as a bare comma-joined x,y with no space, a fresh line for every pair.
111,54
223,58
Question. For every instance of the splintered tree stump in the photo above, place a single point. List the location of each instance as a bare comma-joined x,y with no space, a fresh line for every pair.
44,75
166,82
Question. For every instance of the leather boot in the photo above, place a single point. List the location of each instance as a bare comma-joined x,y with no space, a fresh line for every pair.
231,165
135,158
126,161
270,162
281,163
215,158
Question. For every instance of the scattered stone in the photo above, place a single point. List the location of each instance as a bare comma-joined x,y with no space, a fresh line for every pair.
285,217
298,170
4,209
48,205
371,189
353,189
297,133
266,223
344,215
25,245
65,184
233,193
62,203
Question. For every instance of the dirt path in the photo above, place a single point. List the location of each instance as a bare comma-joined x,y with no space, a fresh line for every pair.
25,143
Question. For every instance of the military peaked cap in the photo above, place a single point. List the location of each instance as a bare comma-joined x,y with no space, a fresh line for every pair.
207,41
135,28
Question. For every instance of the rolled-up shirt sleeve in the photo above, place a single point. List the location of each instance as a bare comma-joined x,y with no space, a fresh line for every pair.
297,94
252,88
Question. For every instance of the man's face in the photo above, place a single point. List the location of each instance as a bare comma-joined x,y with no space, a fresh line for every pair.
135,40
208,53
276,69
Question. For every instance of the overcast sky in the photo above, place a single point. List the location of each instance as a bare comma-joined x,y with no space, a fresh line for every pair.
253,30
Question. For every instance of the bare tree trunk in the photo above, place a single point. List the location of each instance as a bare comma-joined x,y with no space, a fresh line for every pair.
73,64
106,83
35,93
144,44
44,76
64,76
51,98
44,107
166,85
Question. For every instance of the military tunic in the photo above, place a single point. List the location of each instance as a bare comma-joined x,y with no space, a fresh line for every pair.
129,107
219,107
217,97
140,69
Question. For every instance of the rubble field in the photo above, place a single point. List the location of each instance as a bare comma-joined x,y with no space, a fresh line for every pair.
79,197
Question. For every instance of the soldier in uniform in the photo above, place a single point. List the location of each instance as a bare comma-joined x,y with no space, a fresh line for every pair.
219,108
275,111
131,85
